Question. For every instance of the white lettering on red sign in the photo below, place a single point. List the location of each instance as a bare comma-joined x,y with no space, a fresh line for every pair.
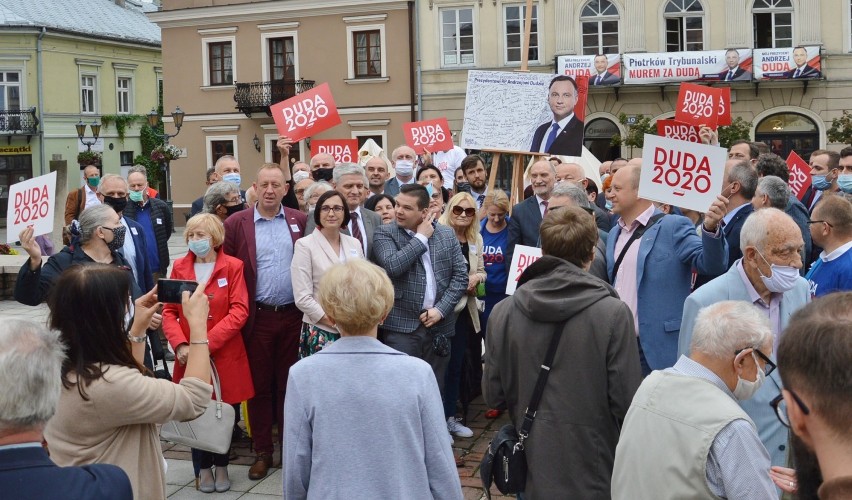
698,105
682,171
681,133
427,135
341,154
305,112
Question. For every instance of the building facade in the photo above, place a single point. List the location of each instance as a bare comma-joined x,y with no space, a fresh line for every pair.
225,64
60,65
457,36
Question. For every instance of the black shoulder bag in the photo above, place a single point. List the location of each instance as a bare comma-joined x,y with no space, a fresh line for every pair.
635,236
506,450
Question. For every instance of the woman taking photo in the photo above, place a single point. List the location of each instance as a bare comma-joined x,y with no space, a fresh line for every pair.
109,408
226,291
313,255
373,432
384,205
461,216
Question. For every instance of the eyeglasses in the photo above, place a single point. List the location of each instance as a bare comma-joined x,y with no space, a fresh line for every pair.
468,212
829,224
779,404
336,209
770,366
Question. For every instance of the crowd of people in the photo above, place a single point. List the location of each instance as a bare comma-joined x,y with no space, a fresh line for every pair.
347,306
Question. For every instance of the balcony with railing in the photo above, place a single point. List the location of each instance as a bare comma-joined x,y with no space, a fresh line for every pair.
18,122
256,97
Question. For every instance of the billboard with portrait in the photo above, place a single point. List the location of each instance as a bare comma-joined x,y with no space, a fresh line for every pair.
788,63
601,70
671,67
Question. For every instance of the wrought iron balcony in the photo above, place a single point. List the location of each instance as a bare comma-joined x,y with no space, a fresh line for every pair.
18,122
257,97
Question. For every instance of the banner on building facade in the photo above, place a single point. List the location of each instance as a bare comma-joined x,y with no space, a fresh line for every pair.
788,63
672,67
601,70
31,203
343,150
428,135
524,113
681,174
306,114
800,175
16,150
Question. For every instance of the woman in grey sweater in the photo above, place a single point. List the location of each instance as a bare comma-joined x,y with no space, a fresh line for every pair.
363,420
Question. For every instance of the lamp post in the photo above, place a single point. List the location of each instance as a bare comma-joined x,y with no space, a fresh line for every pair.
154,119
81,132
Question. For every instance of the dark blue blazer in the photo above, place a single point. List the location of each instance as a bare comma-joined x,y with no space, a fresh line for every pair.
569,142
732,237
28,473
523,227
197,206
143,266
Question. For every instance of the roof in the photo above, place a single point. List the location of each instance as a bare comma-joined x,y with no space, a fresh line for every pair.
101,18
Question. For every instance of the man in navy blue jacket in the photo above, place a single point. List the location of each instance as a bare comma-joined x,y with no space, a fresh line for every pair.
30,367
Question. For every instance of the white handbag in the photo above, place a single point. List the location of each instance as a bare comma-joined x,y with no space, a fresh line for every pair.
211,431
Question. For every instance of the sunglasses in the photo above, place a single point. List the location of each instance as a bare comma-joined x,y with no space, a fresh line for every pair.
468,212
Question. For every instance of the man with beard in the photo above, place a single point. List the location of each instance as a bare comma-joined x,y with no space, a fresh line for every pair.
527,215
475,174
814,358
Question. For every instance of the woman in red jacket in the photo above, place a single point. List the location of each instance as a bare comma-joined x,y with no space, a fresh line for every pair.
226,290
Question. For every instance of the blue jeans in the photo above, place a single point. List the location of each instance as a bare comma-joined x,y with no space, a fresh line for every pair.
458,346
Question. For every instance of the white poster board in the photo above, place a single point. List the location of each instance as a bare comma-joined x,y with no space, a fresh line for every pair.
523,257
31,203
503,110
680,173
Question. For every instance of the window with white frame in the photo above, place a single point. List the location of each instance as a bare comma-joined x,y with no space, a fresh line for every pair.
515,16
773,23
457,37
124,95
599,24
684,25
218,146
88,93
10,90
367,52
219,61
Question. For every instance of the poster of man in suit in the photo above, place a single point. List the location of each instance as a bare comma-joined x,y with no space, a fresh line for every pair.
563,135
734,72
788,63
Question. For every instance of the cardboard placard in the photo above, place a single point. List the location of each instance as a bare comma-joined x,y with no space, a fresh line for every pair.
306,114
800,175
682,174
31,203
428,135
674,129
343,150
698,105
523,257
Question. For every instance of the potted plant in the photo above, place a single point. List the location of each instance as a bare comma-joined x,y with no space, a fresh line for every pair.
89,158
165,153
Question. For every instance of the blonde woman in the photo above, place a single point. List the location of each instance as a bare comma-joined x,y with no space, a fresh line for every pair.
461,217
372,432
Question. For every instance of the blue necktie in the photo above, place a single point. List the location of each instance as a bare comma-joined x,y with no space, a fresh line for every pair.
554,131
480,199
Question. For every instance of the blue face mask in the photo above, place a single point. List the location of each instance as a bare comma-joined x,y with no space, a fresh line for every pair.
608,205
200,247
232,177
820,183
844,182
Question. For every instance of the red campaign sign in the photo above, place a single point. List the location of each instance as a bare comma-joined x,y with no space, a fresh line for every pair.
698,105
582,95
800,175
306,114
343,150
675,130
432,135
724,107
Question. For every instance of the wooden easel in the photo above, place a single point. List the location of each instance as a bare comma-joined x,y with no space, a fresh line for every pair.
516,193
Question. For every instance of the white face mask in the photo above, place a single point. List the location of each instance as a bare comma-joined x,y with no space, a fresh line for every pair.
783,278
404,168
745,389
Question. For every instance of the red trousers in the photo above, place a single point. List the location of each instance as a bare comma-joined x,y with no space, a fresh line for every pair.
272,348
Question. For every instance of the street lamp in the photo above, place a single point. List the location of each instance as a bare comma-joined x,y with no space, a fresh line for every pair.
81,132
154,119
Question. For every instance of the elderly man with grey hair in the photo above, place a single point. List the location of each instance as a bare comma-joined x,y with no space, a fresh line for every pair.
767,276
685,435
31,360
771,192
568,194
350,181
223,200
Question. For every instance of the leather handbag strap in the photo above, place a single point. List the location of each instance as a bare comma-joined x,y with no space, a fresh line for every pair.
532,408
217,389
637,233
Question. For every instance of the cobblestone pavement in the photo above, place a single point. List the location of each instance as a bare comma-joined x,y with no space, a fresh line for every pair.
180,478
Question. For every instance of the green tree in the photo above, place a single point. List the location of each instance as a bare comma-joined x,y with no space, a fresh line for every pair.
635,137
841,129
738,129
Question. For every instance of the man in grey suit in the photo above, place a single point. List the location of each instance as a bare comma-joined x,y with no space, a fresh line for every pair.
527,215
403,158
429,275
768,277
349,181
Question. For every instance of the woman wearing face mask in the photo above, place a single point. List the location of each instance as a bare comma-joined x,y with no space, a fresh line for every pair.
223,200
96,238
226,290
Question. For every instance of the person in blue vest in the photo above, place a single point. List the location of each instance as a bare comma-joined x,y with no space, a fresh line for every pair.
831,229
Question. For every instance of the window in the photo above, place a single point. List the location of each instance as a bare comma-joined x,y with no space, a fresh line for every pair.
368,54
457,37
10,90
124,96
773,23
219,149
515,16
684,26
125,157
219,63
378,136
88,98
599,20
282,59
160,94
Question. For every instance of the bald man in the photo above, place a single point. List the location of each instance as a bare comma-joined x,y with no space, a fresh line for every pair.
575,174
